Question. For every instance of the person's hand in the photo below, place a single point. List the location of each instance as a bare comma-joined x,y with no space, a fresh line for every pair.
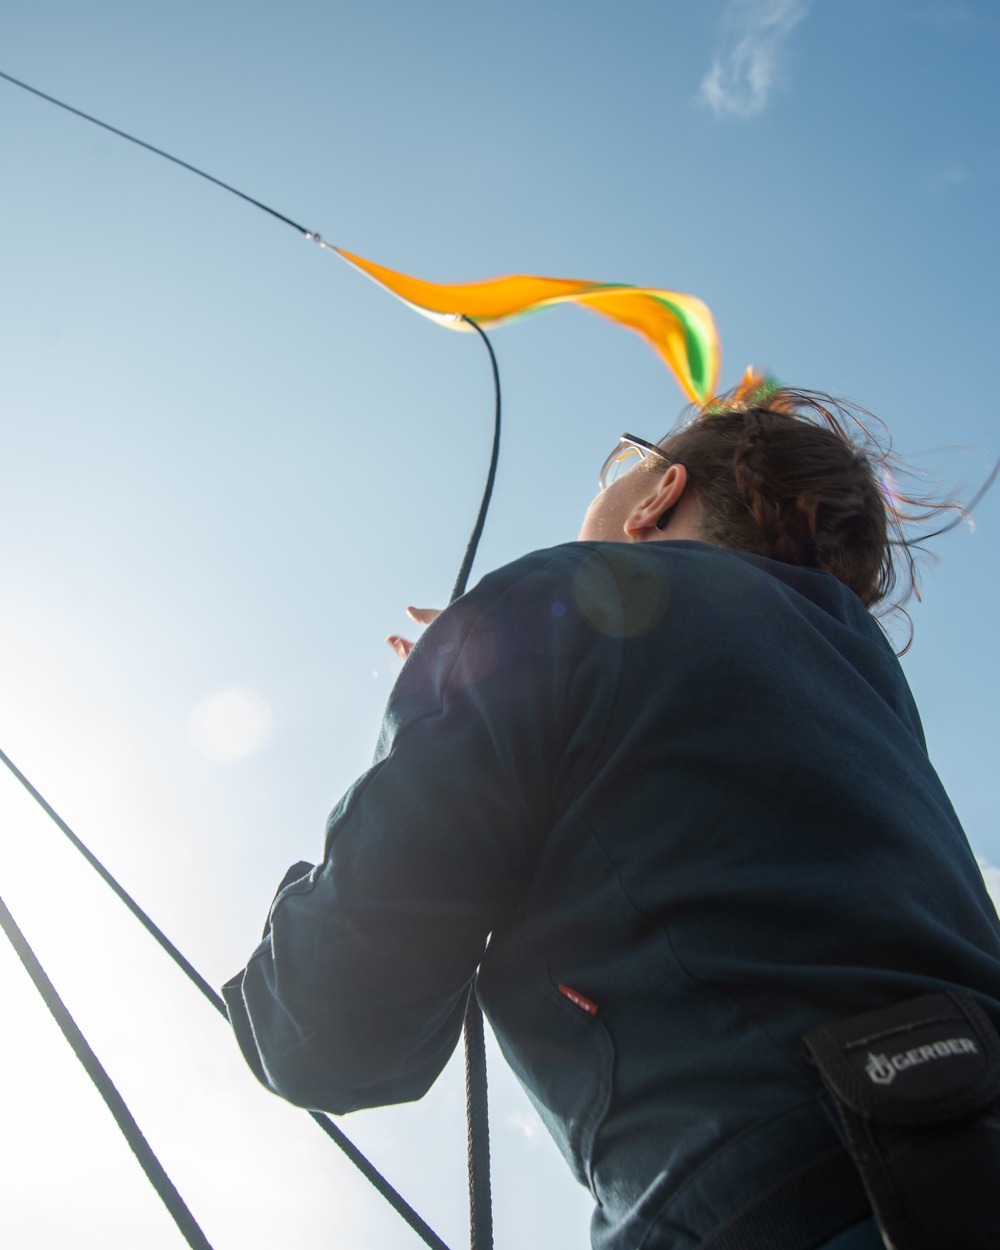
423,616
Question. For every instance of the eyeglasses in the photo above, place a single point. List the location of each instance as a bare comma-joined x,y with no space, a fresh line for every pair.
629,452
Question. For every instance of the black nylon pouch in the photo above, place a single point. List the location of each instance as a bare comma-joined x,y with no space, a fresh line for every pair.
917,1089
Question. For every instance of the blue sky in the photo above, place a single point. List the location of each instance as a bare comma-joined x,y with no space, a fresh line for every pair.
229,462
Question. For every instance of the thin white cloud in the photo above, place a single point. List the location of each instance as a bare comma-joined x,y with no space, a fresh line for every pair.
748,66
944,178
528,1124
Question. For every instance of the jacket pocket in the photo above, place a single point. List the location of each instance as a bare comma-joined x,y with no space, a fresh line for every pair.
562,1054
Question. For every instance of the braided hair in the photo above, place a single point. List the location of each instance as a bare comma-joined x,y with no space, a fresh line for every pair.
807,479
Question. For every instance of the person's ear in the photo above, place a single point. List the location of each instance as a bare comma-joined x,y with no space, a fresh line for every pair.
665,491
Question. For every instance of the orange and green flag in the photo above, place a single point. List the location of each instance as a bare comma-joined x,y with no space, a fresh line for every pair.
678,327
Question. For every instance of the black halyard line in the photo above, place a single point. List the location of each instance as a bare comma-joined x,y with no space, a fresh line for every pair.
480,1201
363,1164
115,1103
123,134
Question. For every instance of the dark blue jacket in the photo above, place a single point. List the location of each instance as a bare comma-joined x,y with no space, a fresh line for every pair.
684,794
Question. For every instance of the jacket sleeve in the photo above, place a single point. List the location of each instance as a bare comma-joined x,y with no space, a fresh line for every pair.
356,996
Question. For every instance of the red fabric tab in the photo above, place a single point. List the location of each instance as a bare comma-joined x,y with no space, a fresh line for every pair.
575,997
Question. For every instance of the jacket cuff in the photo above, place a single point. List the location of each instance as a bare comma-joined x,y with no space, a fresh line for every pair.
232,993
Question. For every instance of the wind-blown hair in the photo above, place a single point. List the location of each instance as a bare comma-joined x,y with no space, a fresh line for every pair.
810,480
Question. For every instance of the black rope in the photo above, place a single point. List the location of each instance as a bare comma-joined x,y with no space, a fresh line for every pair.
481,1218
476,1099
364,1165
463,574
376,1179
478,1117
141,1148
470,551
123,134
153,929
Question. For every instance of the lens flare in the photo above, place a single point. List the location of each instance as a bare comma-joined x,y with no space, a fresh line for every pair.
230,724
